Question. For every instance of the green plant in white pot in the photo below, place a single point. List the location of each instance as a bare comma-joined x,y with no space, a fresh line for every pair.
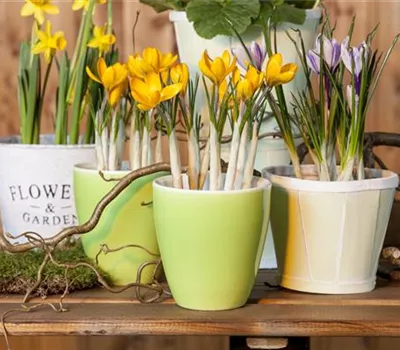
202,248
196,30
329,219
36,170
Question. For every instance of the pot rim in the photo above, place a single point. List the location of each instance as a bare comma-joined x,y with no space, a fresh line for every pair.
262,184
385,179
91,168
13,143
180,16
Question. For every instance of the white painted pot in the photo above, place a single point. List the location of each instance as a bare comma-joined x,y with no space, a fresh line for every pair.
36,185
328,235
191,47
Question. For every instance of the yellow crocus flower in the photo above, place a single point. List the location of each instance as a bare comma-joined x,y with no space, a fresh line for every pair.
113,78
48,43
138,67
276,74
149,92
180,74
38,8
101,40
158,60
246,87
84,4
218,69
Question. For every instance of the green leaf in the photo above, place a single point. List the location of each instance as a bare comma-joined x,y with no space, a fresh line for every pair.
288,14
216,17
164,5
303,4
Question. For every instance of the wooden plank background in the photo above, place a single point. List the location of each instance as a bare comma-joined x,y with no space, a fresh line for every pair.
155,30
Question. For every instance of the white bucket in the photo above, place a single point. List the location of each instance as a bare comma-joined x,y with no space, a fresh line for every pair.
191,46
328,235
36,185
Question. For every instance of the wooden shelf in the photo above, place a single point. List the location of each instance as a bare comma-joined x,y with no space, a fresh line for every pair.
272,313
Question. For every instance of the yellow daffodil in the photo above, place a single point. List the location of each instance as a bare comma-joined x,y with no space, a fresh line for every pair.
138,67
276,74
101,40
113,79
218,69
180,74
150,92
38,8
48,43
84,4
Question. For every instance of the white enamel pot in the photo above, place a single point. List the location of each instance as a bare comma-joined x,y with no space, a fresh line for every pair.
36,185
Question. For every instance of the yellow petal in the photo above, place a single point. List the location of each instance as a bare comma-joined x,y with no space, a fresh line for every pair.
167,60
27,10
222,90
218,69
144,107
91,75
108,78
153,81
98,31
48,54
115,95
205,67
170,91
140,91
39,16
235,76
101,66
226,57
273,68
51,9
78,4
152,56
39,47
121,73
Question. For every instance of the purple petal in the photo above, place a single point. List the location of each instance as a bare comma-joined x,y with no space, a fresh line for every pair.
347,58
257,55
328,51
336,54
313,61
241,56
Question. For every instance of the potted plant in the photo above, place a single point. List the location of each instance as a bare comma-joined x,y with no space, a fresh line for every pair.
197,31
36,171
202,248
128,220
329,219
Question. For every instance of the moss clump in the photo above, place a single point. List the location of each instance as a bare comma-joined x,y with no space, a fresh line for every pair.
18,272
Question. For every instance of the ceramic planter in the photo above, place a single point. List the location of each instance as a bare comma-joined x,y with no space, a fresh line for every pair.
127,220
211,242
36,185
328,235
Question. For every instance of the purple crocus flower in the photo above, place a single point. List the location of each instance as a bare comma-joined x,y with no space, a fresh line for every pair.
331,54
353,58
257,53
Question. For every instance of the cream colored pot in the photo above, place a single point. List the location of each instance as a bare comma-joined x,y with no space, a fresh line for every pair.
328,235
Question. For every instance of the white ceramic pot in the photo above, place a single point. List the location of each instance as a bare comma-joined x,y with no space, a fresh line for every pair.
191,47
328,235
36,185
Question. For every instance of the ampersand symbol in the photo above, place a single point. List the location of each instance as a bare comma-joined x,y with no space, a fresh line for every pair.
49,208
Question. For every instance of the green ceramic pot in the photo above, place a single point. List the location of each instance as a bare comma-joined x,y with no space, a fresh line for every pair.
125,221
211,242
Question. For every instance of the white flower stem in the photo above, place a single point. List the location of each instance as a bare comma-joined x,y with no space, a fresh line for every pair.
233,157
101,164
136,150
132,146
347,172
112,153
175,160
249,167
145,147
158,151
205,163
241,157
193,160
215,160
